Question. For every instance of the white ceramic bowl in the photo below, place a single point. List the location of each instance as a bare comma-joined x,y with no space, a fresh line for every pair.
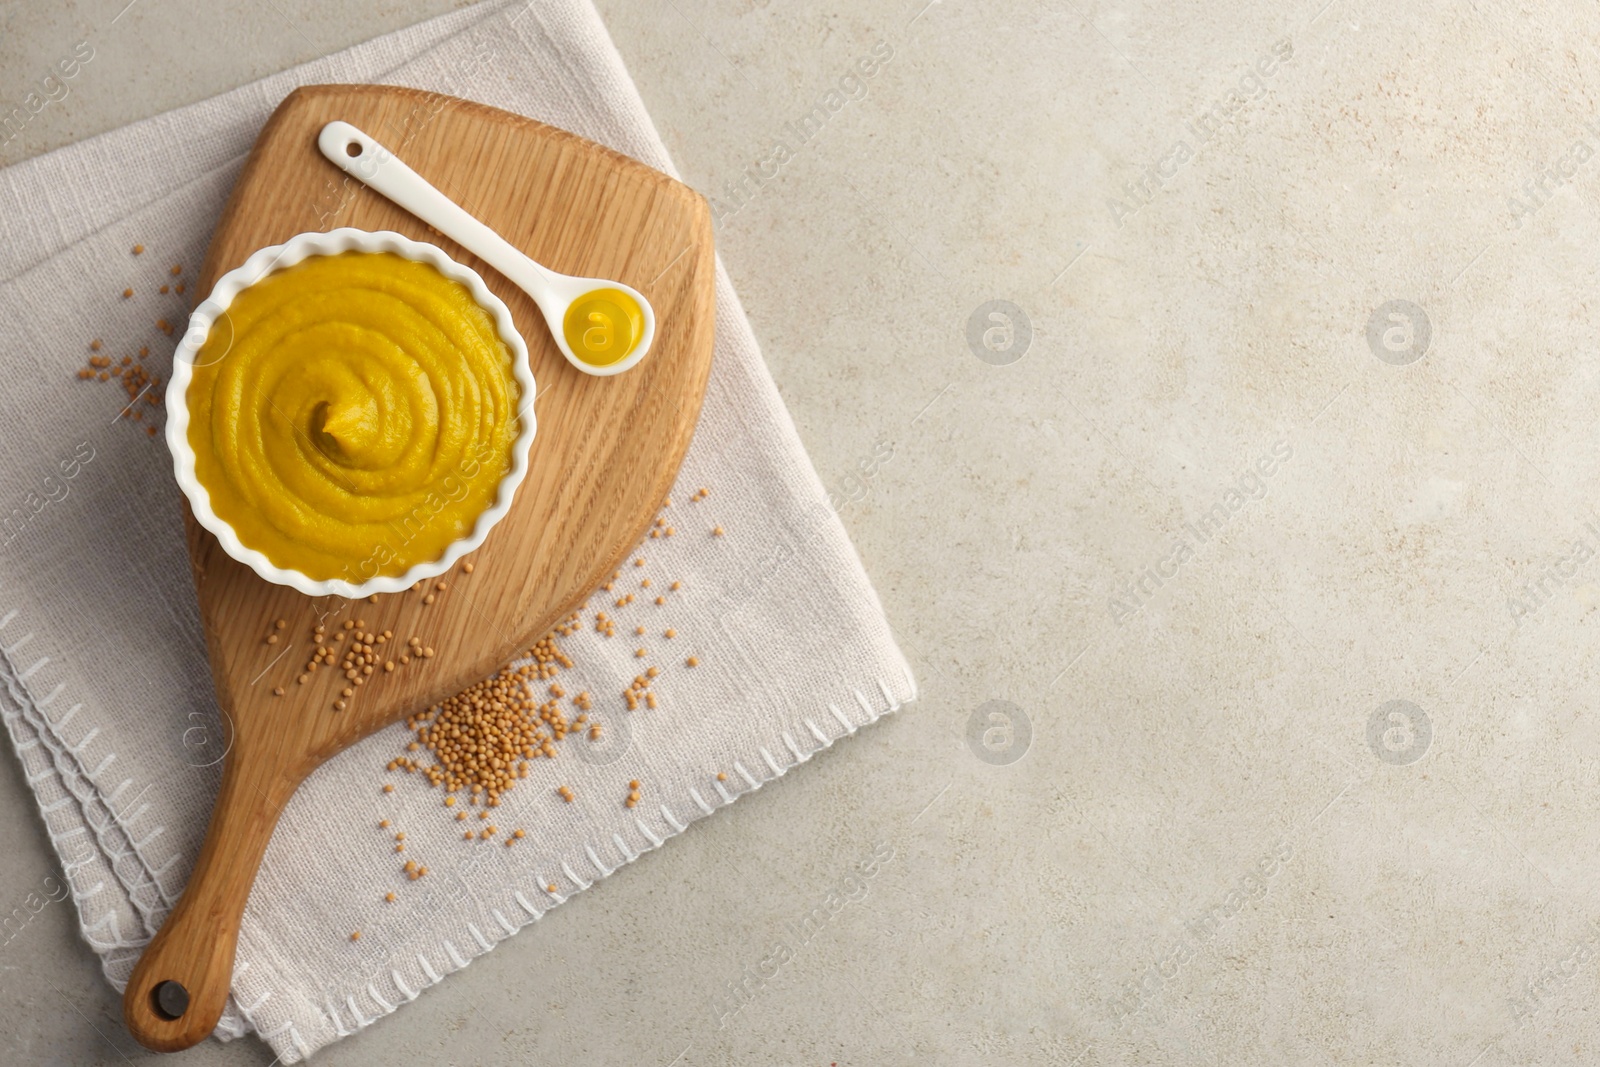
277,257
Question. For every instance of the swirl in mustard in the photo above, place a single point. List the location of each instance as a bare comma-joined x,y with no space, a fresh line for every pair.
353,415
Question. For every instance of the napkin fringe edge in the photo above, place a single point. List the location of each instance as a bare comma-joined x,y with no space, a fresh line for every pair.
891,702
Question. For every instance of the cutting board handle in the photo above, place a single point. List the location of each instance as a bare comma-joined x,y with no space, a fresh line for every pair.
180,985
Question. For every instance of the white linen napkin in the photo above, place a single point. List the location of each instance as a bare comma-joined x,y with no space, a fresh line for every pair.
104,686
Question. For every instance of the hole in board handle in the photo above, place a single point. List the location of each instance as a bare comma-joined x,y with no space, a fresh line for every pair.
169,999
353,149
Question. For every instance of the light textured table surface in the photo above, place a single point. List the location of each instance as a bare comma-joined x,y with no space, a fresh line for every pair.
1244,552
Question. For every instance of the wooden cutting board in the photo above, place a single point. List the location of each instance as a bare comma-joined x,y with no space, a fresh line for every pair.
603,459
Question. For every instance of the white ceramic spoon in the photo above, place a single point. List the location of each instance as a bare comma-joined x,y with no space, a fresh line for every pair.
599,318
